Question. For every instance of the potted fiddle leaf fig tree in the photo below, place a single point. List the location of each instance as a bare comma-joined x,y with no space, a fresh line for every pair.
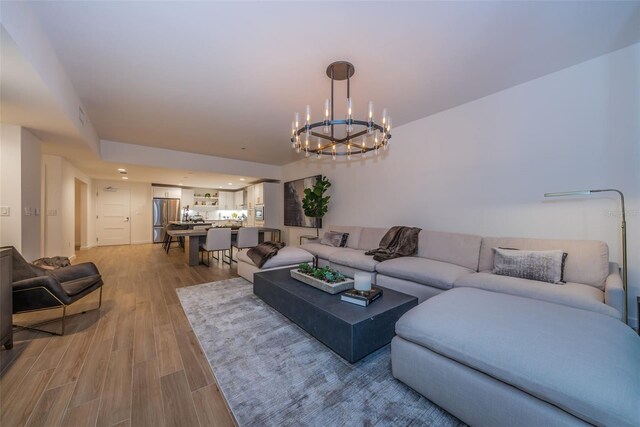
315,204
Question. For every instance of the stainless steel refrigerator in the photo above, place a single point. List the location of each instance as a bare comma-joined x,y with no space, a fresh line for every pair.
164,210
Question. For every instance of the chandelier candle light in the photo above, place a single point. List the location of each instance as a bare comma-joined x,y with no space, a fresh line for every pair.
358,137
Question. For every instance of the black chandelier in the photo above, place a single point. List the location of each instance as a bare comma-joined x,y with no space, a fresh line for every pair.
358,137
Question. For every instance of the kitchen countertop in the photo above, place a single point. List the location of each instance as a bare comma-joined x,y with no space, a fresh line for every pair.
208,222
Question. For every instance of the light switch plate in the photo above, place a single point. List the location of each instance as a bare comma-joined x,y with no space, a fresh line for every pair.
36,211
4,211
27,211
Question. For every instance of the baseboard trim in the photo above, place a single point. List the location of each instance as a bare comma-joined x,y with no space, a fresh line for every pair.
141,242
72,257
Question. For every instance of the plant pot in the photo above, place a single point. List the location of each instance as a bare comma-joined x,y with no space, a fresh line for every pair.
331,288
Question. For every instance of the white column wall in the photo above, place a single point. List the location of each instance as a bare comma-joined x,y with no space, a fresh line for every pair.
10,182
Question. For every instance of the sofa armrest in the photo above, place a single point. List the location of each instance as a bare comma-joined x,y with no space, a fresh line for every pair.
613,290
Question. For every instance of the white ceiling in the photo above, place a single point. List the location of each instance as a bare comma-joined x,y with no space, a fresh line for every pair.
26,101
214,77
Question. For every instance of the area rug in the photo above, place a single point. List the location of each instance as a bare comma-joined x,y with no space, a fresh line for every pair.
272,373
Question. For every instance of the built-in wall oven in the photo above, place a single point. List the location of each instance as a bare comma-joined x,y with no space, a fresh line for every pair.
259,213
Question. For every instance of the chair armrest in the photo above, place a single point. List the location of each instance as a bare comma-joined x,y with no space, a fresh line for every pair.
73,272
37,293
49,282
613,290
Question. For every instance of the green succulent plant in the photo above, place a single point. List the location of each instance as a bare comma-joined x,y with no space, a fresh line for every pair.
325,274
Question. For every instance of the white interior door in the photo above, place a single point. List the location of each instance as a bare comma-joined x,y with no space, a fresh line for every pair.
114,210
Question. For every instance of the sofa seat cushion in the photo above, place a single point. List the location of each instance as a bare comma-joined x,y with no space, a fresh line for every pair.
571,294
289,255
438,274
582,362
354,258
320,250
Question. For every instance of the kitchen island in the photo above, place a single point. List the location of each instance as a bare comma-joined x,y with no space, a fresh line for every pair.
209,222
194,237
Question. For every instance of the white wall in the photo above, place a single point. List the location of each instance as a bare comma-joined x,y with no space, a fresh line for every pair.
141,208
30,194
60,178
483,167
20,190
10,194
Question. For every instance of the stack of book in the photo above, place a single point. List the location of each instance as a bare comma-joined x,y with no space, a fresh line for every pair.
363,298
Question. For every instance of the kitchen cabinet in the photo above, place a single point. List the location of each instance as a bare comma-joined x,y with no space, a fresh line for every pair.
250,197
259,194
187,198
250,205
167,192
226,200
238,200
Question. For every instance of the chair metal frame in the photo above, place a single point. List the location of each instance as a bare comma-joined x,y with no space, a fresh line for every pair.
62,305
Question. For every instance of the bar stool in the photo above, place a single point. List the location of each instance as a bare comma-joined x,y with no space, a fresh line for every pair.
218,239
247,237
168,239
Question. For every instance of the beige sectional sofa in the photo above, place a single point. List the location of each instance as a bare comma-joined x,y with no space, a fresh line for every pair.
351,258
500,351
450,260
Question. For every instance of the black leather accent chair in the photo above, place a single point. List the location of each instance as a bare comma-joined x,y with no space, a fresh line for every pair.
36,289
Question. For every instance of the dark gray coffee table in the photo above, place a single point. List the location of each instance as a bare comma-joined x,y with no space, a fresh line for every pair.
348,329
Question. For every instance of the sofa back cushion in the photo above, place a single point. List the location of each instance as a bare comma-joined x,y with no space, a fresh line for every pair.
587,260
454,248
370,238
354,234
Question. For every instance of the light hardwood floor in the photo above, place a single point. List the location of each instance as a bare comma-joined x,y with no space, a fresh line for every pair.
135,362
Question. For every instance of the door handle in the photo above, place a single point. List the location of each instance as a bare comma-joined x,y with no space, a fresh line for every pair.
126,219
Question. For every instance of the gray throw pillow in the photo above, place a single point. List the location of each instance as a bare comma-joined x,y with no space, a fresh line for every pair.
544,266
335,239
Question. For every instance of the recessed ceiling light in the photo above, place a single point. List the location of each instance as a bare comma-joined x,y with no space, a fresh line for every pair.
122,170
125,177
241,179
230,183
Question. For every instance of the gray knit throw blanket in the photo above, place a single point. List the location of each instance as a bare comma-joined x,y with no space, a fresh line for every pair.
263,252
399,241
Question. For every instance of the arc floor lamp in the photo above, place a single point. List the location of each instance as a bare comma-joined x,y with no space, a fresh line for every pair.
623,227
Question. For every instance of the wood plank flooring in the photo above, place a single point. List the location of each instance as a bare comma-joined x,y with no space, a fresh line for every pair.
134,362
